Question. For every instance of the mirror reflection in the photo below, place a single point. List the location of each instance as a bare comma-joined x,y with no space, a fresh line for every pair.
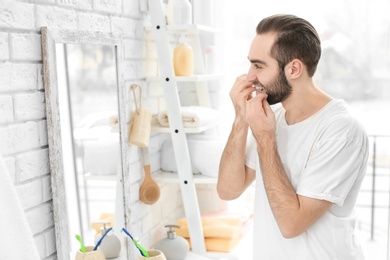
93,108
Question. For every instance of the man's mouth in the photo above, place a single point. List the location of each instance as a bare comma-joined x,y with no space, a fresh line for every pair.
259,89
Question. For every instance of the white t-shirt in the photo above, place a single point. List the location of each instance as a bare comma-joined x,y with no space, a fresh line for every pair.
325,158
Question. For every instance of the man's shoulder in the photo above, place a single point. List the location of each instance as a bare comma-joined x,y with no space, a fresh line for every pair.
339,121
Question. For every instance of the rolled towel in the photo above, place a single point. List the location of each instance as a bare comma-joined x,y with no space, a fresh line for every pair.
113,122
192,116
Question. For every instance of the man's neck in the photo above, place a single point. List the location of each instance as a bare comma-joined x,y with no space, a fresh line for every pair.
303,103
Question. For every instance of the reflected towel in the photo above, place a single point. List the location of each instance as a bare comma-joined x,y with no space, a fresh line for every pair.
18,241
192,116
113,122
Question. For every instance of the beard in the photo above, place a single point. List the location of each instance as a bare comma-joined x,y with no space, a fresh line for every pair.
278,89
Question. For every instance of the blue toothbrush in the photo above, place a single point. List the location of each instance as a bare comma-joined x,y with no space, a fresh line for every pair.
101,239
140,248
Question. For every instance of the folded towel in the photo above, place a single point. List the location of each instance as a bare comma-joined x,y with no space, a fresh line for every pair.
219,244
16,231
192,116
215,227
246,217
104,217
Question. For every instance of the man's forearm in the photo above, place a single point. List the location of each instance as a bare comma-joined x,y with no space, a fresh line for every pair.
281,195
231,177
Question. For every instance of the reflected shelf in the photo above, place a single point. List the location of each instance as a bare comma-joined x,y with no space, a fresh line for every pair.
100,177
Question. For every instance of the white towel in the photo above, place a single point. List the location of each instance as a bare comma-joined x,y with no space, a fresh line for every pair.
16,239
192,116
205,154
101,156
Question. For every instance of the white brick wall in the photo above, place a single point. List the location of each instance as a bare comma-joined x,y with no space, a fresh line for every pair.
25,47
4,49
23,134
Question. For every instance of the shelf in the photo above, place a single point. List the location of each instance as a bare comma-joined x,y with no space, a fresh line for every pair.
194,78
189,28
172,177
159,176
195,130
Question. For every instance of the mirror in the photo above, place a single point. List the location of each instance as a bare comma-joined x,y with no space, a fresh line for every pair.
86,122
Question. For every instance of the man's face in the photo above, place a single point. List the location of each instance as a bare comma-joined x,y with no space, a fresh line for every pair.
264,72
277,89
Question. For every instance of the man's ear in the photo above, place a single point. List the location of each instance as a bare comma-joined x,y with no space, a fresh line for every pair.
294,69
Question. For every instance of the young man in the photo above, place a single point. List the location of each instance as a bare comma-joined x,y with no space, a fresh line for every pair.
308,155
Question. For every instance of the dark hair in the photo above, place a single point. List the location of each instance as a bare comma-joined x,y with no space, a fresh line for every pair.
296,39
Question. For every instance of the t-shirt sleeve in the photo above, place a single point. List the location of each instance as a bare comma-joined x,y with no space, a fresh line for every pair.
332,169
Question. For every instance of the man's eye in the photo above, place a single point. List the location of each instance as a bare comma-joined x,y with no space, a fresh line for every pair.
257,66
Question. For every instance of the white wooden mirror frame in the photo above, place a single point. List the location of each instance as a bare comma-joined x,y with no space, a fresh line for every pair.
50,37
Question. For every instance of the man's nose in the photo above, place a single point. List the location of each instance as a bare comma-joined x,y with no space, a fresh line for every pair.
251,77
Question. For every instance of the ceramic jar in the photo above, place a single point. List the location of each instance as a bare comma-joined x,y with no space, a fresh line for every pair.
90,254
153,255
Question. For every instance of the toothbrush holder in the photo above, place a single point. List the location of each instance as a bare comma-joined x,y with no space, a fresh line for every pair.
153,255
90,254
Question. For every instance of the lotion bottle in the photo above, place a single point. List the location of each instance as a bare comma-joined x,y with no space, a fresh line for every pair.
111,245
174,247
183,58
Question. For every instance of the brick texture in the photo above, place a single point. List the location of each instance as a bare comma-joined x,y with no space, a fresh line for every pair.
23,130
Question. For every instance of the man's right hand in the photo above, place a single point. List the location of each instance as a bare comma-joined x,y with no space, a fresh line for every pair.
239,94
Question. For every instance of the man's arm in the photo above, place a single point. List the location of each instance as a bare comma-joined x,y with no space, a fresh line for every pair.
234,177
293,213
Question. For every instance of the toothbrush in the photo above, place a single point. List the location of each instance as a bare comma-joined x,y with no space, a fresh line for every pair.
101,239
140,248
82,247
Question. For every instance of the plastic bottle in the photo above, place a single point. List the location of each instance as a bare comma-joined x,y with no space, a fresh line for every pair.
169,12
182,12
183,58
174,247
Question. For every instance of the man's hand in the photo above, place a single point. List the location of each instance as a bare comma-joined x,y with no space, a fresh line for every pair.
239,94
260,118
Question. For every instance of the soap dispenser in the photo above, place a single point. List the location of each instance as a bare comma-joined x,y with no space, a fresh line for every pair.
110,245
183,58
174,247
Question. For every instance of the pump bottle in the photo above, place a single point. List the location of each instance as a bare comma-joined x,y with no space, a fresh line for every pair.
183,58
174,247
110,245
